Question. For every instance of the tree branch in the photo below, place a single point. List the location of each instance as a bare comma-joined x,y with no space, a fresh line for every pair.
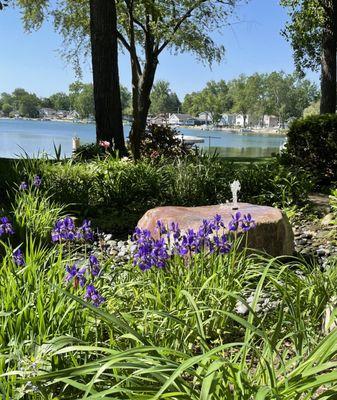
178,24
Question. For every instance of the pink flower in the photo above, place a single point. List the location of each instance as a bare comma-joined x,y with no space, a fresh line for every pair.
104,144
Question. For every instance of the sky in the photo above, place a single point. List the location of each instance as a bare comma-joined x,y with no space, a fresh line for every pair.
253,44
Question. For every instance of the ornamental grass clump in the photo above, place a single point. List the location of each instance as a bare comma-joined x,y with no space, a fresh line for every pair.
210,238
34,210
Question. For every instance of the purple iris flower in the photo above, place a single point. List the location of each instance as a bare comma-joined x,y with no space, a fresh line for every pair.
149,252
6,227
92,295
221,244
23,186
161,228
64,230
94,265
37,181
234,224
76,275
84,232
18,258
248,223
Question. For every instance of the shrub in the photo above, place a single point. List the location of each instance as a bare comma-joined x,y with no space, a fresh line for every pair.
89,151
312,144
34,214
118,192
162,141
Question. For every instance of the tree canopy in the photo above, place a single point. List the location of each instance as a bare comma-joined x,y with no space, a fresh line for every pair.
312,32
277,93
214,98
163,100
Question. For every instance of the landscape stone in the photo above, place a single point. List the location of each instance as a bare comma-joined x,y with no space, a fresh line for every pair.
273,233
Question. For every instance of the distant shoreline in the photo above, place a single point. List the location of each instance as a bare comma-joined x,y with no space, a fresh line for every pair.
255,131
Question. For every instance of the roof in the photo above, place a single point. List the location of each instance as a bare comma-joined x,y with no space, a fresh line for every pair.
183,116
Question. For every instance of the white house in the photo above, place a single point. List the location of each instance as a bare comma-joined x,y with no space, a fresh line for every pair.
61,113
240,120
205,117
161,119
73,115
181,119
227,120
270,121
47,113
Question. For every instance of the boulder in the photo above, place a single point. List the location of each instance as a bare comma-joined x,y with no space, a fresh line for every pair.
273,233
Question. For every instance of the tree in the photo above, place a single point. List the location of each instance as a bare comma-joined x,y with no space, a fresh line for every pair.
146,28
28,107
126,100
104,55
7,109
288,95
60,101
163,100
313,109
214,98
312,31
82,99
242,97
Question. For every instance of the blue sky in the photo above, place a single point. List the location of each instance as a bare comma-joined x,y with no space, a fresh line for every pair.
253,44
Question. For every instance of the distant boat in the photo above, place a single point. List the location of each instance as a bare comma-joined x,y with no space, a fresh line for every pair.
190,140
246,130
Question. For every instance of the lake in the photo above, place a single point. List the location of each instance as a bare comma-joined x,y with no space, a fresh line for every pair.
38,136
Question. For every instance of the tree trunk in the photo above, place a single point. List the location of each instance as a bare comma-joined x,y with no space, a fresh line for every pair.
104,49
329,49
141,111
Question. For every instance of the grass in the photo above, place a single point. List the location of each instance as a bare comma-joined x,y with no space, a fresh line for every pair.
186,340
174,333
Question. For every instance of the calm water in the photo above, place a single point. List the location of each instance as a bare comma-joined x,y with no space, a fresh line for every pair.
39,136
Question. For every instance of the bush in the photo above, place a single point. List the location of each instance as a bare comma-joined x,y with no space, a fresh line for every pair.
312,144
162,141
89,151
118,192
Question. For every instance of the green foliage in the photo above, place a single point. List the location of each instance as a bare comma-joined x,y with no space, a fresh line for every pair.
20,100
214,98
89,151
313,109
333,202
34,214
277,93
305,31
7,109
33,311
312,144
176,334
82,98
160,141
163,100
123,191
60,101
126,100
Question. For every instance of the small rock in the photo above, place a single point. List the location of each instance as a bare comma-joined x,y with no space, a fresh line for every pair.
321,252
241,308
